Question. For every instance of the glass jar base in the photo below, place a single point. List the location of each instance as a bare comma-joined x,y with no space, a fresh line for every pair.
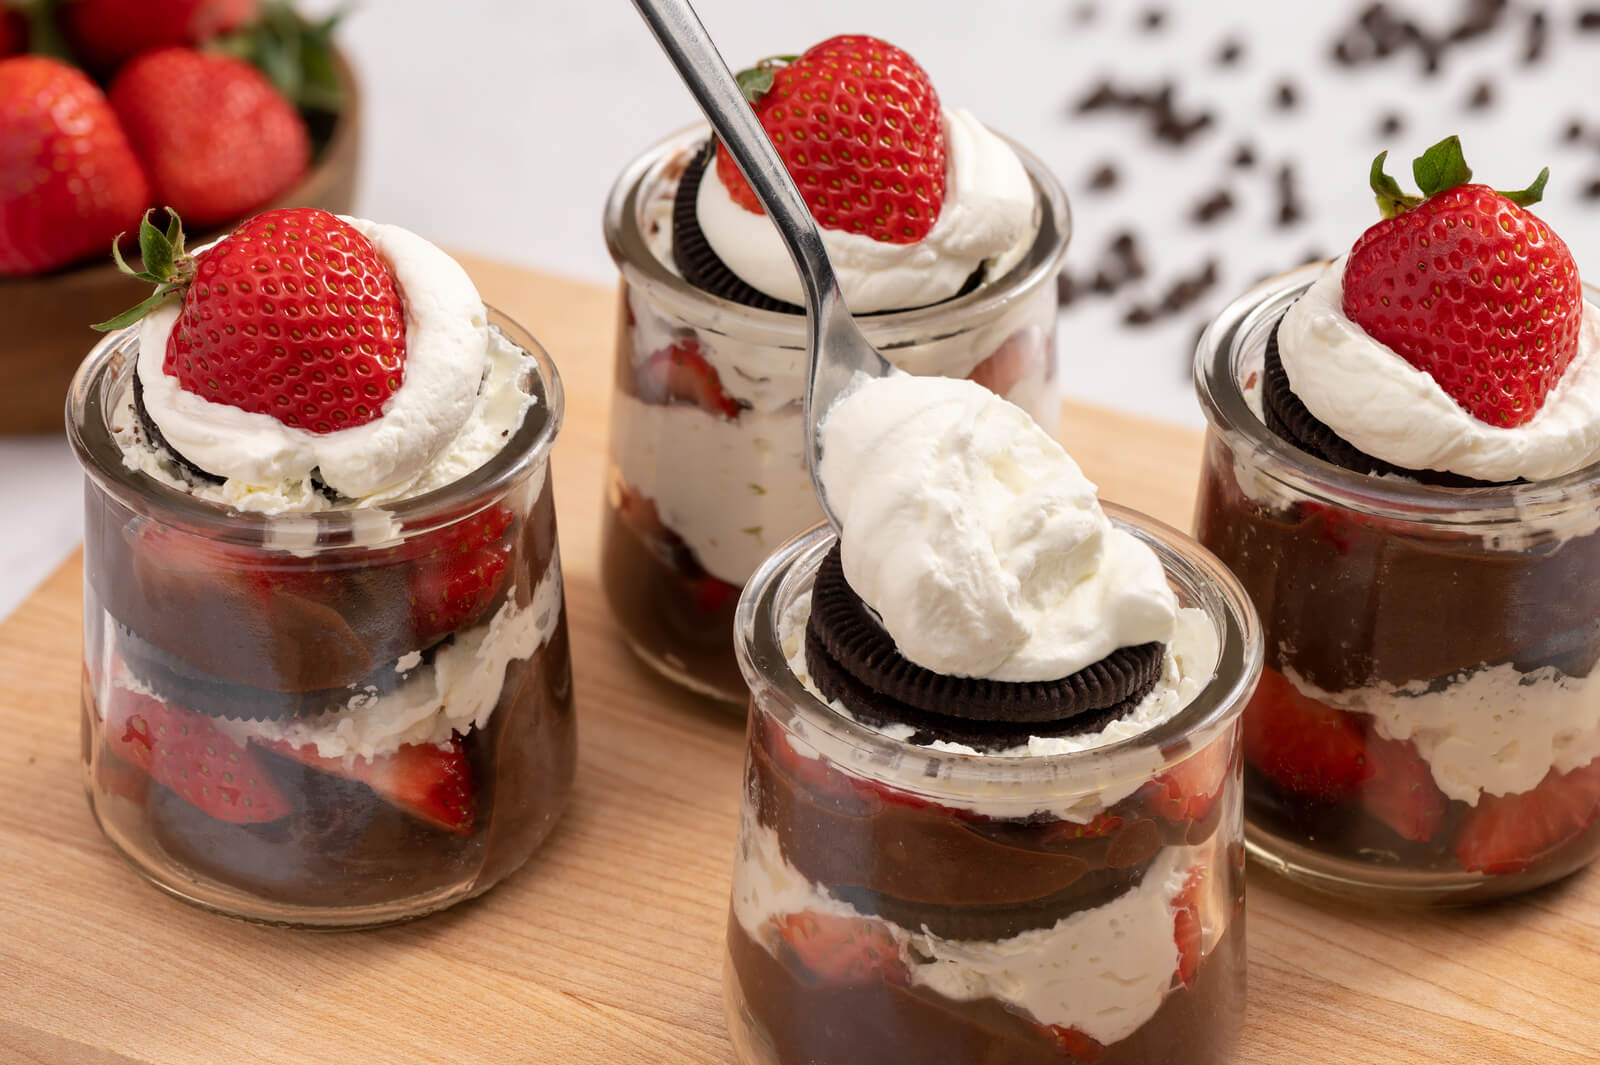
679,674
1371,884
750,1043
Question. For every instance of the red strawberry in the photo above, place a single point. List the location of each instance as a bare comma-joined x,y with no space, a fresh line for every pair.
13,32
69,182
216,137
427,781
104,33
712,594
1013,361
1301,745
456,572
183,751
1189,790
858,125
1187,929
294,314
1402,793
1508,833
1073,1043
1468,286
843,950
680,374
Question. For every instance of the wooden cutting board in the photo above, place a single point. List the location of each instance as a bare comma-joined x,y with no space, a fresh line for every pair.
607,946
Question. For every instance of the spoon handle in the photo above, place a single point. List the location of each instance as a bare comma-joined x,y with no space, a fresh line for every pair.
689,47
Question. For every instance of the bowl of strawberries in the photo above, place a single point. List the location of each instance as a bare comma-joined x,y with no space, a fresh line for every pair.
218,109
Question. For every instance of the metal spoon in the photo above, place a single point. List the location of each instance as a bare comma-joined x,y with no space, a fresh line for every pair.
835,349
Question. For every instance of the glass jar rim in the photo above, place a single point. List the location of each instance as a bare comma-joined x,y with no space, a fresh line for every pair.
87,421
1216,381
632,253
1213,709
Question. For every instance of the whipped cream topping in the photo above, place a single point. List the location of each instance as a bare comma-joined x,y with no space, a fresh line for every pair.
989,215
268,465
1383,405
976,538
1104,971
1494,731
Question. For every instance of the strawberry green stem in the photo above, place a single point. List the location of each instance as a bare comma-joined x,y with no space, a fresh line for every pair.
1436,170
166,265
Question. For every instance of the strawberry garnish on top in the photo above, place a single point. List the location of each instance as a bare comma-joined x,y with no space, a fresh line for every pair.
294,315
69,181
857,123
1469,286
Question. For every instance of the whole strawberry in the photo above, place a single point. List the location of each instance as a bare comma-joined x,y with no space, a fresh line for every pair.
858,125
69,182
106,33
216,137
1469,286
294,314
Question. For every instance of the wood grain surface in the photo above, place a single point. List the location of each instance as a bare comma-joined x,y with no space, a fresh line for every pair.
607,946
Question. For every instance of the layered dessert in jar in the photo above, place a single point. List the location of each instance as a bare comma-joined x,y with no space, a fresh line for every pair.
1402,471
992,792
946,238
326,669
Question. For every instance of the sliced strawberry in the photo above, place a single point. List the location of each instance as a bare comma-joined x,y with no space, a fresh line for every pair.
1402,793
1508,833
712,595
1189,790
456,572
681,374
183,751
1072,1042
843,950
1012,361
431,782
1303,746
1187,930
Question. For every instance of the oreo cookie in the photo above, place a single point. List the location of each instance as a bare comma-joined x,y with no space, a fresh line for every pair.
148,424
705,270
1288,418
174,681
853,660
990,923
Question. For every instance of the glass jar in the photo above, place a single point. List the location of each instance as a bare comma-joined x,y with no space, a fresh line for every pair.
299,718
698,495
1428,724
899,903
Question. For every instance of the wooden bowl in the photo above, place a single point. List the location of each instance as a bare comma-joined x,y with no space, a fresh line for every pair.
45,321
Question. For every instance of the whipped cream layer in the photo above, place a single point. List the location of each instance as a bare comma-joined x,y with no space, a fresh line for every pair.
463,388
1386,407
1104,971
989,216
1492,731
977,540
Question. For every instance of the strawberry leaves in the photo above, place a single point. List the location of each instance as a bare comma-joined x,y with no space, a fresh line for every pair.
166,265
1439,169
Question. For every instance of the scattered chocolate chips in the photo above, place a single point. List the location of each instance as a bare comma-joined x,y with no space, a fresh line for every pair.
1482,95
1104,177
1212,207
1244,157
1392,123
1286,96
1230,53
1535,39
1591,191
1574,131
1167,123
1120,264
1153,19
1589,19
1182,294
1381,31
1290,209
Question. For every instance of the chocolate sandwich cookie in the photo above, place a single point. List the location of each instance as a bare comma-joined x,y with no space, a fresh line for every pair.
154,435
853,660
1288,417
174,681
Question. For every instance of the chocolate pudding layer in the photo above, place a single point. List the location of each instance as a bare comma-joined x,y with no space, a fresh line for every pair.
798,1021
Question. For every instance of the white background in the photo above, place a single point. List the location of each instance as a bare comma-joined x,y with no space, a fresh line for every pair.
496,126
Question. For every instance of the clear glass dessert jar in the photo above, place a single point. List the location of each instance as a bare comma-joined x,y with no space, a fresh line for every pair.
707,472
1428,723
315,718
902,903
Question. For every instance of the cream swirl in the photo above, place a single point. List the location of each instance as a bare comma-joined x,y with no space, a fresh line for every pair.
976,538
1374,399
989,215
447,354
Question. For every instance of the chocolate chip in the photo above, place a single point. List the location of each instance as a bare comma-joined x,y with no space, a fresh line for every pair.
1289,209
1537,35
1104,283
1230,52
1212,207
1573,132
1167,123
1066,289
1286,96
1153,19
1244,157
1591,191
1138,315
1104,177
1589,19
1392,123
1482,95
